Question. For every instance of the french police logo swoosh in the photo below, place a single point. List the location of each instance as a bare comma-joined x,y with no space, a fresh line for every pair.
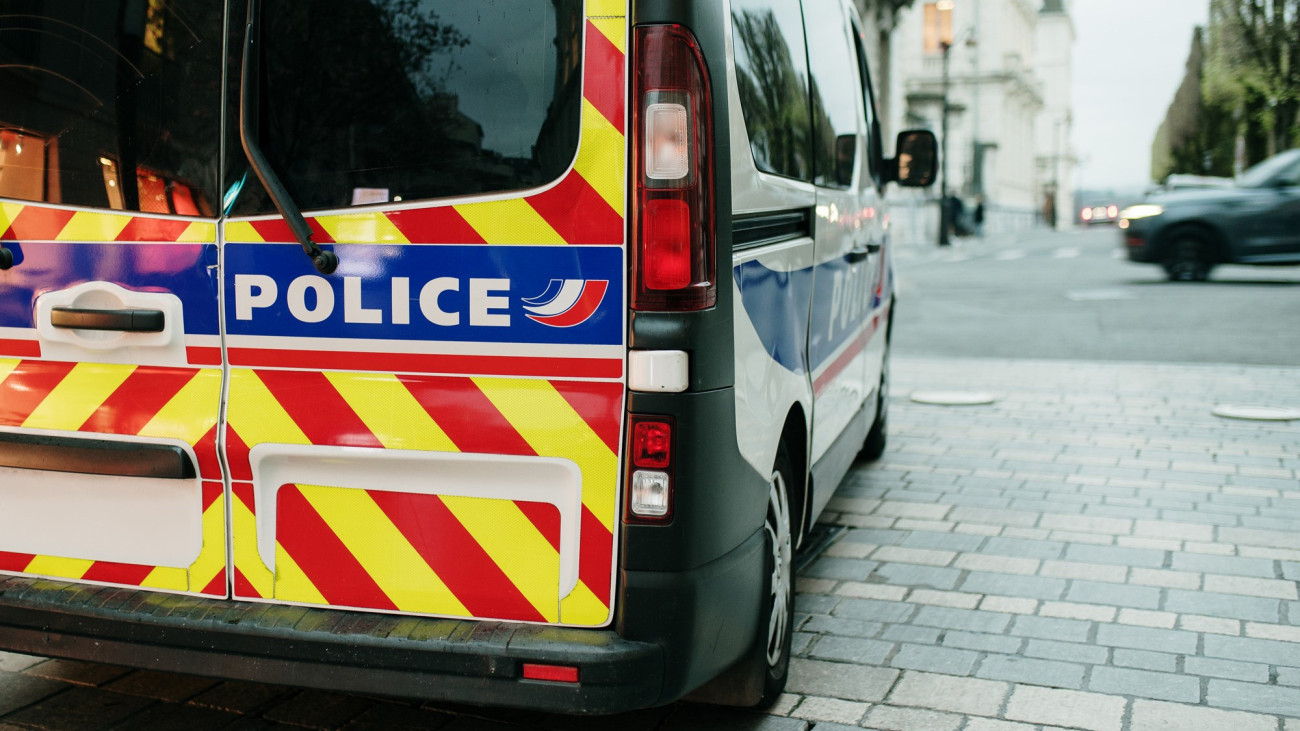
567,302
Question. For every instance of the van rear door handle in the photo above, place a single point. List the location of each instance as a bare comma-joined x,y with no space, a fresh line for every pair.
137,321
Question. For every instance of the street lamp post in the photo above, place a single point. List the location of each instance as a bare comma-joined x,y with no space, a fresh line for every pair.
944,209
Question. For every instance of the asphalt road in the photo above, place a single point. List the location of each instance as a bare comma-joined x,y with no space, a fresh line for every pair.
1070,296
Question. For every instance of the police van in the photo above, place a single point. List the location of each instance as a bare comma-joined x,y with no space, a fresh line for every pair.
498,352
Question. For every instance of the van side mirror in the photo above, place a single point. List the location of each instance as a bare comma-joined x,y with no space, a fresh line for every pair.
917,154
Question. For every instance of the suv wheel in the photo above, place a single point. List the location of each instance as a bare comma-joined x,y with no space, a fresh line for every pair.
1188,257
776,627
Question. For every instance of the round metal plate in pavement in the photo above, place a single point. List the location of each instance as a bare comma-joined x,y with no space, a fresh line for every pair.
1256,413
953,398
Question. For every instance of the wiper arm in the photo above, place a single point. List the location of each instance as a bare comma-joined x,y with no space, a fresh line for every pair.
249,93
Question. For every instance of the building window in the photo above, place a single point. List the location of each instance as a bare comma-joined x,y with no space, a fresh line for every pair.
938,25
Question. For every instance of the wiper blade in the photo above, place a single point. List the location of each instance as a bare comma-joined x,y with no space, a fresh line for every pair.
249,91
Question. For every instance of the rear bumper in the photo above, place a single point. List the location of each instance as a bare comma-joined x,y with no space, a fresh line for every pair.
390,655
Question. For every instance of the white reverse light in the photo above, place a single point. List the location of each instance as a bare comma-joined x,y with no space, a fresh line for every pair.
667,141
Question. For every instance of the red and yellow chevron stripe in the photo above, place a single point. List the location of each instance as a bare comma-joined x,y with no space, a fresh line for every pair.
585,207
160,403
429,554
27,222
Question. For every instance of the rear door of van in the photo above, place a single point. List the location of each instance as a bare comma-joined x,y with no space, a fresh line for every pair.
433,428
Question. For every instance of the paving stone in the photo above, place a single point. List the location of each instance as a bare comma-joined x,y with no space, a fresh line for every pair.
1286,676
405,717
942,541
997,564
170,687
904,554
935,659
990,724
840,569
889,718
1071,610
1123,595
1032,671
317,709
1161,716
1147,638
838,680
1067,651
18,690
1144,618
1033,587
76,672
1160,662
851,649
815,603
1115,555
1223,605
1087,571
1173,529
946,693
1228,669
1023,518
1004,546
874,611
842,626
983,642
1253,697
1161,686
908,633
1270,588
1087,524
12,662
698,717
1050,628
1247,649
1216,625
1164,578
962,619
933,577
190,718
78,708
830,709
1010,605
1068,708
863,590
240,697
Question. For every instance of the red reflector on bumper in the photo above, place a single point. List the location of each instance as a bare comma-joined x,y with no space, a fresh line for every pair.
552,673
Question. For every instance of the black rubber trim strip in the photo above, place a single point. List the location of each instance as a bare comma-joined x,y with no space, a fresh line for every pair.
381,654
136,321
770,228
94,456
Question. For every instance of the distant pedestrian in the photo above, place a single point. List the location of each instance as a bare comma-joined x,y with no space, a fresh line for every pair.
979,216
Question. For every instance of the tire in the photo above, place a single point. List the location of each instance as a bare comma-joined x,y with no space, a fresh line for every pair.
776,624
873,447
1187,256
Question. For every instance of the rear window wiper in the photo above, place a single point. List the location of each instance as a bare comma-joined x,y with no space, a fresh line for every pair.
249,94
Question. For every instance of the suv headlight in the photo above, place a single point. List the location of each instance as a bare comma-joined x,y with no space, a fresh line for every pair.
1142,210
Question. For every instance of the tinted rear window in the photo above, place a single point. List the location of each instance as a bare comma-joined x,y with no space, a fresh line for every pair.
111,104
772,80
368,101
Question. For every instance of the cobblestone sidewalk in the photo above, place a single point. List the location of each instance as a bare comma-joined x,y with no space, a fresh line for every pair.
1093,551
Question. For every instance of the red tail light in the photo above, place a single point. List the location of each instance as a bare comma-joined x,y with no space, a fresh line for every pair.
650,470
673,266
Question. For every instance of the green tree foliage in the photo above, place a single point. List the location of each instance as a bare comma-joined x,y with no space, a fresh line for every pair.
1253,69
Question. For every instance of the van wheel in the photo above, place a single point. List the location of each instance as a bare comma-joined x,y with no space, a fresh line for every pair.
776,624
1188,257
874,445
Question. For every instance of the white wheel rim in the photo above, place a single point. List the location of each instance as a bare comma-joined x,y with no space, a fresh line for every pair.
778,512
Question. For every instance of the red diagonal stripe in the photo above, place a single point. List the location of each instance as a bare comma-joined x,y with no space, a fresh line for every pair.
216,587
440,225
600,405
20,348
237,456
455,556
244,587
140,397
467,416
15,562
336,574
545,518
577,212
318,409
275,230
212,490
153,229
244,493
603,76
596,556
27,386
206,452
38,224
127,574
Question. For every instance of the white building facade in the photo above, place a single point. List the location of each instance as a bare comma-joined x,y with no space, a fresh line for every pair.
1008,87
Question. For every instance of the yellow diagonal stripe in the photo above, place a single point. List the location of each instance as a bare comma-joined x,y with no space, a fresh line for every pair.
248,561
390,412
243,232
597,8
77,396
362,228
583,608
8,212
600,156
192,412
7,365
509,222
167,577
382,550
615,29
292,583
256,416
515,546
212,557
199,232
553,429
63,568
90,226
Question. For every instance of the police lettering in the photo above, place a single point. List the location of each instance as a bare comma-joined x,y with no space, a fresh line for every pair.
312,299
